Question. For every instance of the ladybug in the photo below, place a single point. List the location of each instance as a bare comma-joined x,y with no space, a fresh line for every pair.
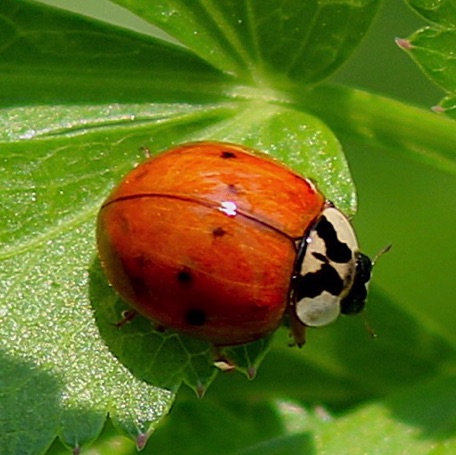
220,242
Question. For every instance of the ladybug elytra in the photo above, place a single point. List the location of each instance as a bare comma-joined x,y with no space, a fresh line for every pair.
220,242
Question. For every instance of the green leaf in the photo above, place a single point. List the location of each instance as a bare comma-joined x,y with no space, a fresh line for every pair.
342,365
441,12
56,358
275,427
66,365
421,421
448,106
52,187
375,121
166,74
75,59
433,50
32,122
269,42
389,393
248,358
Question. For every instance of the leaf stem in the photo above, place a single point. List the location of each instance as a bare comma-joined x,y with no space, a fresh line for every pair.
374,120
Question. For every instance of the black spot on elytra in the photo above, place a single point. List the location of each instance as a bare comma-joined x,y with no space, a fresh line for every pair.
227,154
184,276
218,232
336,250
195,317
314,283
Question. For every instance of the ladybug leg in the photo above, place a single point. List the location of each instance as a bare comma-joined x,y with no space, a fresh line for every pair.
159,328
220,360
298,329
127,316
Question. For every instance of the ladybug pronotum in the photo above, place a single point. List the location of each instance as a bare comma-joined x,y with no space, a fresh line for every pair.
219,242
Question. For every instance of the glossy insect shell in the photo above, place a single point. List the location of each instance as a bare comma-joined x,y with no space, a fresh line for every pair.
200,239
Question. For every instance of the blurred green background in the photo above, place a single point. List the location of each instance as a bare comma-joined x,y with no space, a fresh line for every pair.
401,202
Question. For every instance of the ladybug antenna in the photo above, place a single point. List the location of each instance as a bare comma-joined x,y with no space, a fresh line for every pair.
383,251
368,327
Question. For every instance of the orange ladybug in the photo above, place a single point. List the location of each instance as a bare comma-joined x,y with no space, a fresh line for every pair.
219,242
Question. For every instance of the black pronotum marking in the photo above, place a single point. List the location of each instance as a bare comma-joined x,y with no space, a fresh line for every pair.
227,154
326,278
313,284
336,250
319,256
195,317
